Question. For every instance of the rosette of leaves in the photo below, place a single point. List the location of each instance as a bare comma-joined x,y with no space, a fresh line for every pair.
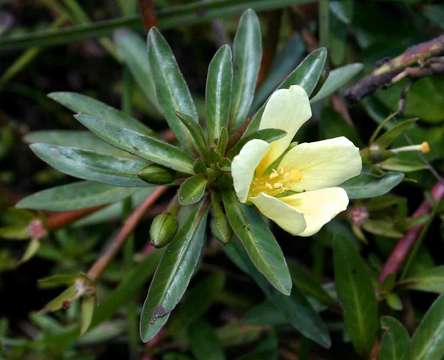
121,157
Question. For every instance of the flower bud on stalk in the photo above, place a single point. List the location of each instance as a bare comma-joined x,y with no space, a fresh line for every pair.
156,174
219,224
163,228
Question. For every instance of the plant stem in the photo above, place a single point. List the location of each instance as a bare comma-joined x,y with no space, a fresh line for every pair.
116,242
59,220
324,22
417,61
402,248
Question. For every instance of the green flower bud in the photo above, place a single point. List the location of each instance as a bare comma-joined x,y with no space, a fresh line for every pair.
163,228
220,229
219,225
156,174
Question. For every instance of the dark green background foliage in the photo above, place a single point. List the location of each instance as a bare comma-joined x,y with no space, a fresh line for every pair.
228,284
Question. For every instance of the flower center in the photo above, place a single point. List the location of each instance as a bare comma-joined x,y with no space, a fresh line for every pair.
275,183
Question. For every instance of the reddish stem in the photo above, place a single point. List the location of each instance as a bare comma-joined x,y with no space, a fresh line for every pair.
59,220
402,248
128,227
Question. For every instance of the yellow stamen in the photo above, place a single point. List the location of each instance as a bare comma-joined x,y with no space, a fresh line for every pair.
277,182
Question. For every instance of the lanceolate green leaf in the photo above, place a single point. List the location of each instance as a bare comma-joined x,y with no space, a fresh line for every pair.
82,104
172,92
294,309
356,294
137,143
336,79
395,342
132,48
247,55
428,339
88,165
74,196
218,92
368,186
259,242
174,272
308,72
84,140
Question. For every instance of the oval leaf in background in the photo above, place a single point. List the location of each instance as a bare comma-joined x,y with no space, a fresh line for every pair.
336,79
367,186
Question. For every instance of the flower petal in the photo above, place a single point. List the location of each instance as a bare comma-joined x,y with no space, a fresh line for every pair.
323,163
244,165
318,207
281,213
288,110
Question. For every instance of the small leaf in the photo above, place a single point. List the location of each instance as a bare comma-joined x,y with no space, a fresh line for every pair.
218,92
74,196
268,135
196,132
337,79
172,92
386,139
429,280
145,146
88,165
402,164
174,272
356,294
428,339
63,300
87,307
192,190
30,251
57,280
367,186
395,343
247,55
204,342
259,242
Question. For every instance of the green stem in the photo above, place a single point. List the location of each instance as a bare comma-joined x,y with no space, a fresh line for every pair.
324,22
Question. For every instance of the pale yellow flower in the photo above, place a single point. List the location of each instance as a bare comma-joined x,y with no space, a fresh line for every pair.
295,185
